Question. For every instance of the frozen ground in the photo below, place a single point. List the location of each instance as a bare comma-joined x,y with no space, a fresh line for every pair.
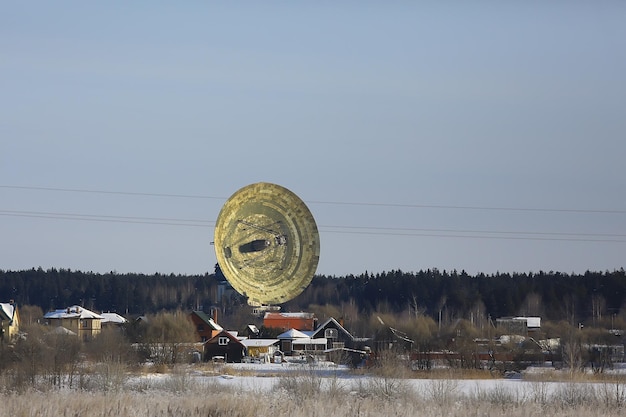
246,377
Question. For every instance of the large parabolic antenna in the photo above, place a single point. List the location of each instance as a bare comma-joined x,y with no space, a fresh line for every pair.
267,244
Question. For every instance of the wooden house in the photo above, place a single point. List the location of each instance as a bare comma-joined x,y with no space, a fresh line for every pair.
206,327
85,323
9,321
224,345
341,345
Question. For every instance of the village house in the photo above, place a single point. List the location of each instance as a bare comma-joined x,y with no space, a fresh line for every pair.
84,323
9,321
225,346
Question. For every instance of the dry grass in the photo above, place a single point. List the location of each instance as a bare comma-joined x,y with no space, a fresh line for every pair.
195,391
454,373
196,402
555,375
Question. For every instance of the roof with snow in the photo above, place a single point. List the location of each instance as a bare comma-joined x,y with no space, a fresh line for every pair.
531,321
235,333
63,330
8,310
331,323
308,341
112,318
259,342
293,334
223,333
208,320
73,312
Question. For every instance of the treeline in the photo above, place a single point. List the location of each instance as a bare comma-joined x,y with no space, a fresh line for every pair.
127,293
551,295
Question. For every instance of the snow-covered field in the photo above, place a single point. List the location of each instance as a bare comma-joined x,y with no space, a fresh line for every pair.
303,390
254,378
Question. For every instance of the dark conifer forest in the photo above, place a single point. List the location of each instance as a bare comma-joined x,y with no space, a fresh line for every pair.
552,295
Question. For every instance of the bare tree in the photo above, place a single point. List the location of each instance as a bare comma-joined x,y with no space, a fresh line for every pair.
598,306
30,315
532,305
572,350
31,356
167,334
111,346
62,351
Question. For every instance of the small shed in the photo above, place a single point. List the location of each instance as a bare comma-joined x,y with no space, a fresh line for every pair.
261,348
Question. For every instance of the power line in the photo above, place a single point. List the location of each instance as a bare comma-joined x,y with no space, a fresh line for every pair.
459,207
501,237
361,230
344,203
127,193
104,216
398,229
106,219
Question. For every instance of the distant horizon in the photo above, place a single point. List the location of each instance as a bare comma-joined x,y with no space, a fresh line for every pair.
458,271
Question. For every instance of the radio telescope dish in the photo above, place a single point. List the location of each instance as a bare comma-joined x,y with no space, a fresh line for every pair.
267,244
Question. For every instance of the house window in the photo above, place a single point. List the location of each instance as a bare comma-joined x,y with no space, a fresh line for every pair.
222,341
331,334
83,323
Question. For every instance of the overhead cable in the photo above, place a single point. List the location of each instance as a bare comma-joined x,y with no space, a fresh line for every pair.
345,203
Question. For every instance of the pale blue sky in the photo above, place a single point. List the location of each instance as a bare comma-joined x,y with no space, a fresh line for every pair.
416,118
